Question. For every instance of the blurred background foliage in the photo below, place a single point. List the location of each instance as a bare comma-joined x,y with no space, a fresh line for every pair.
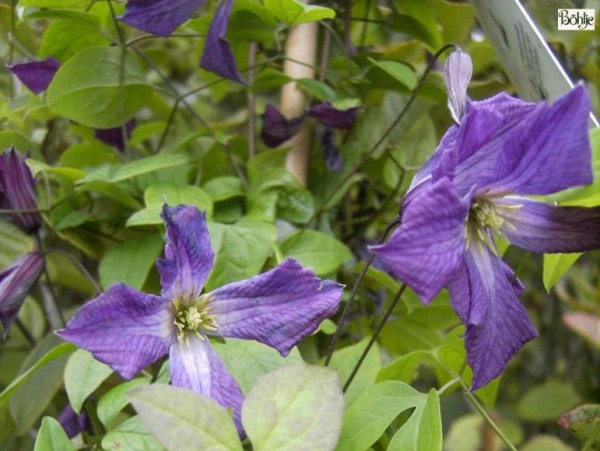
195,141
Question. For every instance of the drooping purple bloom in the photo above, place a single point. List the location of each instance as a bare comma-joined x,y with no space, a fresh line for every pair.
331,117
129,330
333,157
276,128
159,17
36,75
217,56
472,189
457,74
16,282
17,191
114,136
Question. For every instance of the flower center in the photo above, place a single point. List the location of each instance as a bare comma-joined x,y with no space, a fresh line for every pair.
487,218
194,317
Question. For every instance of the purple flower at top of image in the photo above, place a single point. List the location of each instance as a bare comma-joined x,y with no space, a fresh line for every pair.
159,17
471,190
17,191
16,282
36,75
162,17
129,330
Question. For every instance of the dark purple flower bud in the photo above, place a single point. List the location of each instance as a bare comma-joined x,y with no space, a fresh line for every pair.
74,424
331,117
217,56
277,128
114,136
457,75
36,75
333,157
159,17
16,282
17,191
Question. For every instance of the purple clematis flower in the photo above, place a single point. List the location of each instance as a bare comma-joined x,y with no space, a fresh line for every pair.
17,191
36,75
331,117
471,190
159,17
276,128
217,56
16,282
129,330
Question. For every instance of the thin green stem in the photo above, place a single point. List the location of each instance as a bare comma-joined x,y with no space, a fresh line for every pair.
53,313
26,333
80,266
354,291
373,339
471,397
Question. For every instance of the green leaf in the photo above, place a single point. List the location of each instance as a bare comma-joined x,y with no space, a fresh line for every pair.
403,368
87,88
294,12
319,90
294,407
545,442
399,71
112,191
223,188
316,250
247,360
269,79
64,38
88,155
114,400
52,437
547,401
15,138
148,165
240,252
83,375
181,419
423,430
50,356
344,361
13,243
34,394
131,434
52,3
157,194
373,411
130,262
584,423
555,266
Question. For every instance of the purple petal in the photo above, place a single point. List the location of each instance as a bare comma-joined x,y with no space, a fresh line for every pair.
331,117
276,128
114,136
189,255
278,308
484,296
457,75
425,250
196,366
508,146
36,75
16,282
217,56
159,17
544,228
124,328
17,191
333,157
550,151
74,423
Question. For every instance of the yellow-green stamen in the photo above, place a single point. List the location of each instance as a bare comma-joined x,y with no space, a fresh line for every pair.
194,317
487,218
